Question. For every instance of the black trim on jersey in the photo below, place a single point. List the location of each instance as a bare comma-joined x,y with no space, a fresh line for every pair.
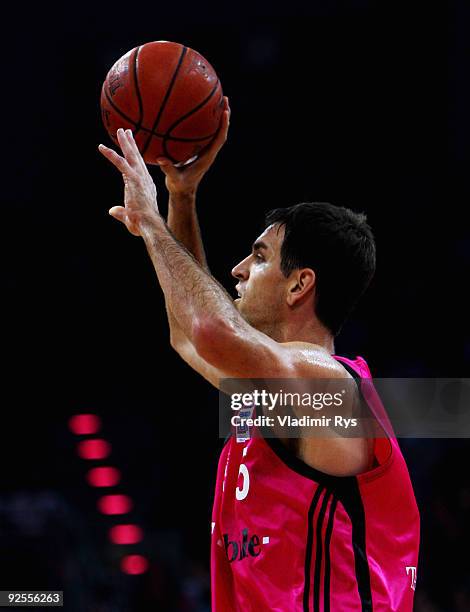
309,547
329,531
351,371
299,466
318,556
351,499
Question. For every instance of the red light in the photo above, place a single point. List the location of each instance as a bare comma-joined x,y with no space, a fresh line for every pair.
103,477
93,449
125,534
115,504
83,424
134,564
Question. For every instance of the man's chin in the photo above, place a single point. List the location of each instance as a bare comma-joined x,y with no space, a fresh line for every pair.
239,306
243,313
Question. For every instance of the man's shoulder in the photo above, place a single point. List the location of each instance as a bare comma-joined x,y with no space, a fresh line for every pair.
313,361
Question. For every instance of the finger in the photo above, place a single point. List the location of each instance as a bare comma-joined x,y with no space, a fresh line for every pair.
118,161
119,213
226,104
130,149
126,147
168,168
220,137
135,149
225,120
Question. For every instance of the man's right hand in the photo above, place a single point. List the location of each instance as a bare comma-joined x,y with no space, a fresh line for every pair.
185,180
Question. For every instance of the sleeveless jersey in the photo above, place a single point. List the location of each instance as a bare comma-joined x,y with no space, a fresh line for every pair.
289,538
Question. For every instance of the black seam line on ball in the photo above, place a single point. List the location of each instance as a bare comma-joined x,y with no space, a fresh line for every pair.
138,126
181,119
118,110
141,128
192,111
165,99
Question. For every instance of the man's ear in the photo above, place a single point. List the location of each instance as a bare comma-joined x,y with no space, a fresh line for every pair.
301,284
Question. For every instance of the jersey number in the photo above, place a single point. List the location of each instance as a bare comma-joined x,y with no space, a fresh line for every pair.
243,492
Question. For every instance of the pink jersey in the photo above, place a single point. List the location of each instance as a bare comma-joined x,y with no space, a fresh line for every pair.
289,538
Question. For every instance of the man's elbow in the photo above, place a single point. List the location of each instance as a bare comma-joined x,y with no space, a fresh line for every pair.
212,339
175,341
177,337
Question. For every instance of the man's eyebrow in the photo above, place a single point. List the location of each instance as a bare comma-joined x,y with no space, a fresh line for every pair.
259,244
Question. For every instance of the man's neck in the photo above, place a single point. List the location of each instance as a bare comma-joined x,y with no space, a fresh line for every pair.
312,333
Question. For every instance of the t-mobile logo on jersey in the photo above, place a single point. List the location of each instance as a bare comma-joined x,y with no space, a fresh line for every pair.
238,550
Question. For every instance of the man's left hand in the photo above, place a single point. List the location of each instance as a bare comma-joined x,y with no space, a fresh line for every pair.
140,193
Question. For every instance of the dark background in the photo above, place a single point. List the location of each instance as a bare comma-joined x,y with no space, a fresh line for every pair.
360,103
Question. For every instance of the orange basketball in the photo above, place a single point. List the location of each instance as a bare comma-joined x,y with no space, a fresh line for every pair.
168,95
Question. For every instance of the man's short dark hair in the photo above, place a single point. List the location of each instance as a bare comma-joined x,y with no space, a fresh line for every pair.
338,245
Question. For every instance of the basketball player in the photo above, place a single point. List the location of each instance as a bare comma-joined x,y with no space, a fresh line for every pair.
331,523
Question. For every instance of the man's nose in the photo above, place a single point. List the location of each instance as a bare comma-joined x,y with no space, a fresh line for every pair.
242,270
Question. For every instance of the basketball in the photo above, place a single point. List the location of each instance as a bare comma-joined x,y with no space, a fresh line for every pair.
168,95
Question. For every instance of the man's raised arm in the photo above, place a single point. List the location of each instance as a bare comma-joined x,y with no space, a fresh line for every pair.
182,184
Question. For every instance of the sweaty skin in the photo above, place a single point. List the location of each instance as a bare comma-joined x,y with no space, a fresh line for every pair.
269,332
